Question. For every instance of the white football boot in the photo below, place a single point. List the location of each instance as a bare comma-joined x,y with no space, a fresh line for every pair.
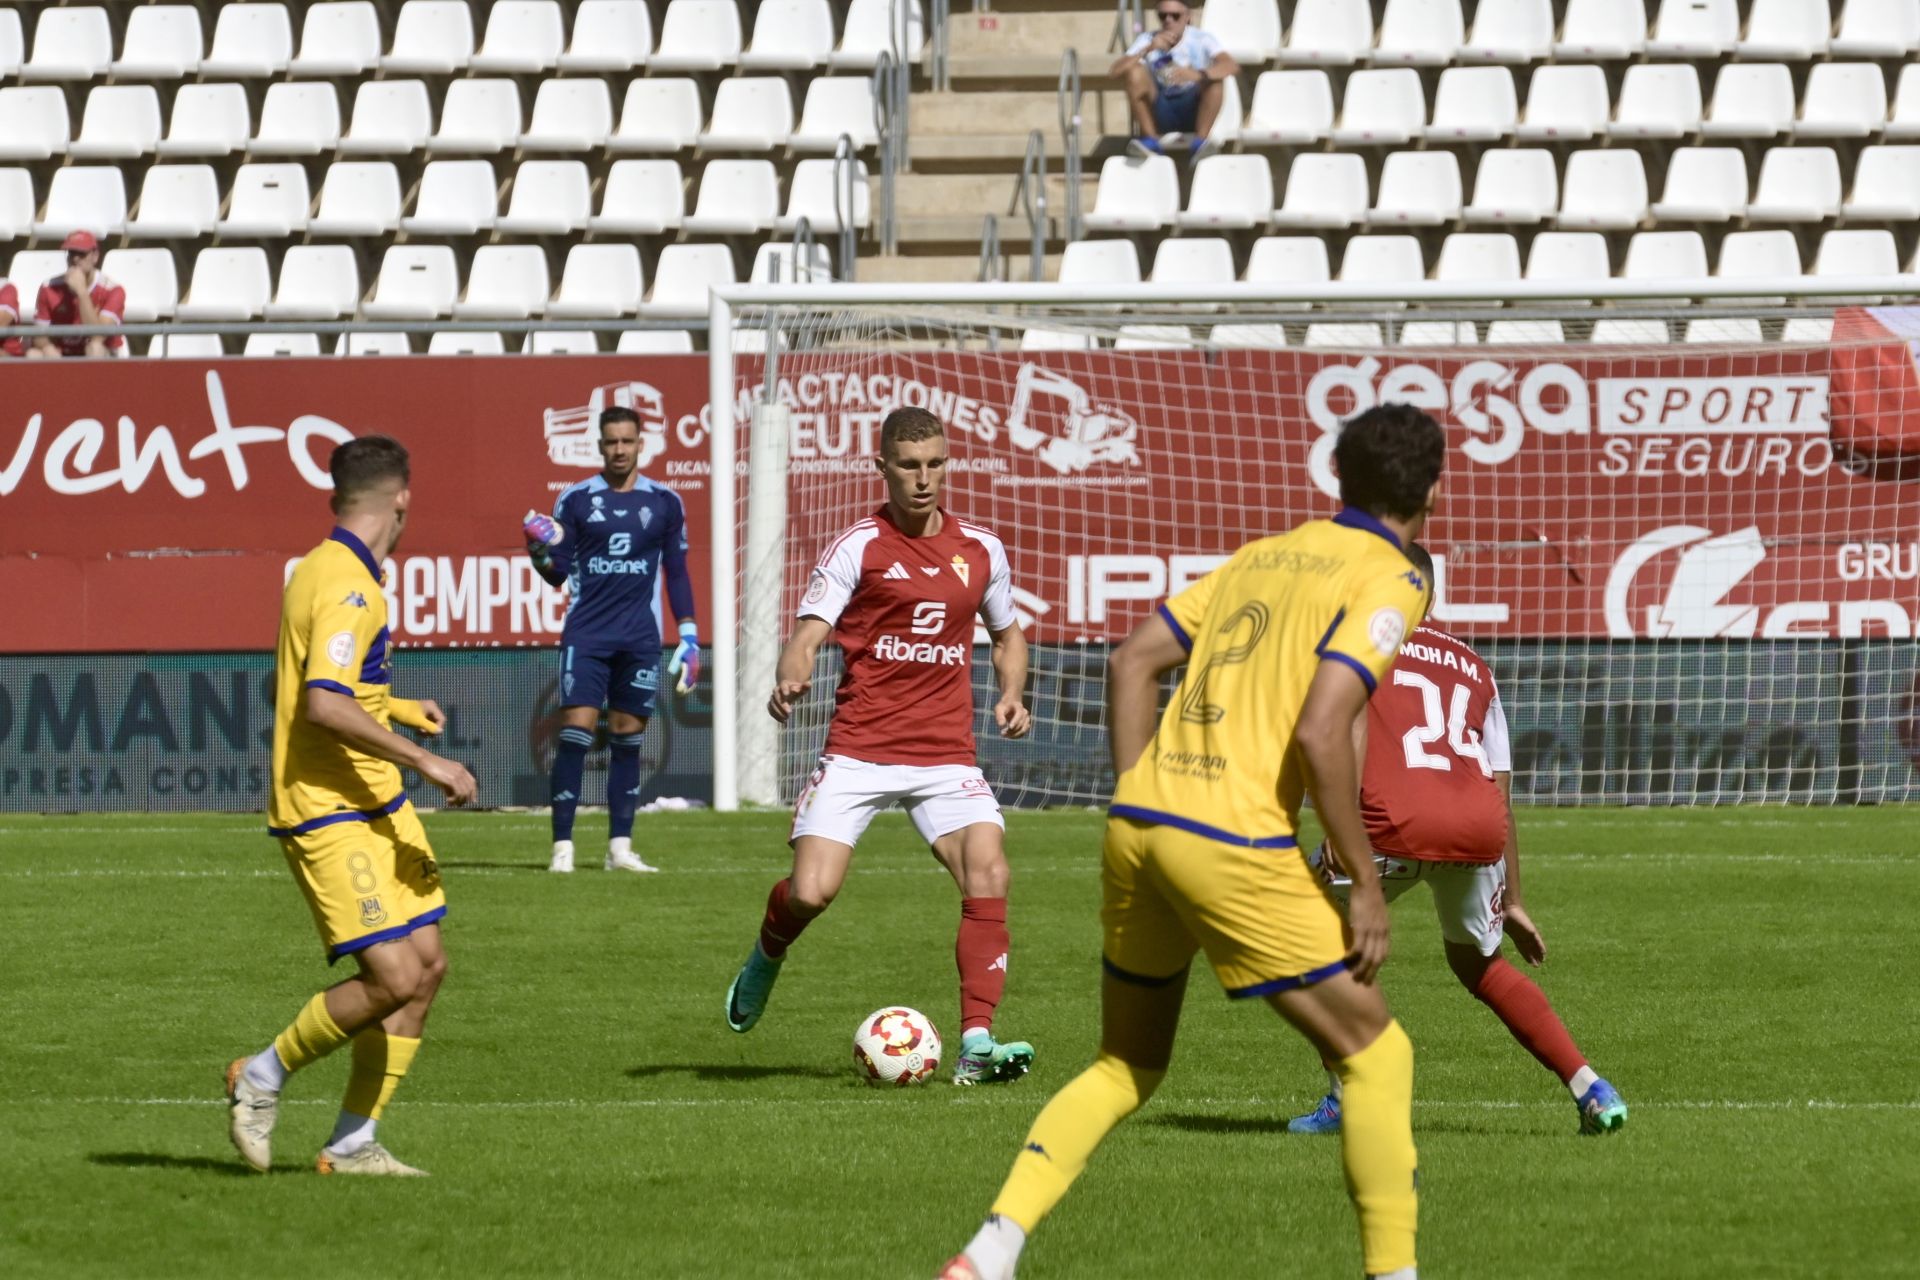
562,857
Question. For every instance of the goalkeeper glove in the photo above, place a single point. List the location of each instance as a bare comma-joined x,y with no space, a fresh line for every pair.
540,530
685,664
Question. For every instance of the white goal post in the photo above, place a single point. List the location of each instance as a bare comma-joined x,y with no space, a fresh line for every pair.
1681,525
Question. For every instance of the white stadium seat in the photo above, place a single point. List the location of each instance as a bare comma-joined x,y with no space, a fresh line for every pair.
1568,255
1290,108
1420,33
1329,33
658,115
297,120
837,105
1759,255
84,198
811,195
390,118
317,282
1515,31
641,198
281,344
1604,190
1797,184
177,202
1324,190
683,277
1791,29
750,113
1136,195
563,342
152,284
1524,332
1904,122
1289,260
1565,104
70,44
1665,255
358,198
163,42
609,35
456,198
1517,186
1417,189
1856,253
790,35
1233,113
1602,30
654,342
776,262
1657,101
208,120
1842,100
266,201
504,282
1100,262
698,35
1437,333
372,344
570,115
1817,330
1886,185
1704,184
1230,191
1750,100
1347,333
1488,256
1612,332
1249,30
523,36
478,116
1153,337
1722,329
431,37
1041,338
188,346
1877,29
417,282
228,284
340,38
38,127
17,203
1694,29
466,343
869,30
121,122
13,44
1382,260
1474,104
550,198
249,40
1201,260
1384,107
31,268
599,282
737,197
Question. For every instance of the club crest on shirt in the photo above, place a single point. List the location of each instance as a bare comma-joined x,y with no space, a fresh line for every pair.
1387,628
340,648
372,913
961,567
817,588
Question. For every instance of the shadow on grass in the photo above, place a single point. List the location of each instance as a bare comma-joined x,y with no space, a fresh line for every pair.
732,1071
227,1166
1193,1122
476,864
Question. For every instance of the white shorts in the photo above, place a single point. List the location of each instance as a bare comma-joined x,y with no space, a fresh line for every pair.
1470,896
843,795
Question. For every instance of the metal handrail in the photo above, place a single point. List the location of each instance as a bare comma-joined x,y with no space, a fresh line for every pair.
800,268
993,262
899,28
1129,20
883,118
1069,94
846,168
1030,198
941,75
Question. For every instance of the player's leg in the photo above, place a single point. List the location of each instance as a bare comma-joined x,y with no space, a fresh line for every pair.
583,689
629,706
1472,923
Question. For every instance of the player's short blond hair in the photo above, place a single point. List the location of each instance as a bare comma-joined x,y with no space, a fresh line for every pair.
906,425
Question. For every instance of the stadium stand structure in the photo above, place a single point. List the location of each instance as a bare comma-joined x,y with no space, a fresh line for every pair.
601,159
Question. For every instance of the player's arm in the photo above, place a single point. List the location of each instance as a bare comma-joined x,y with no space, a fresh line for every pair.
1150,650
342,716
685,664
793,675
422,714
1325,736
549,542
1009,657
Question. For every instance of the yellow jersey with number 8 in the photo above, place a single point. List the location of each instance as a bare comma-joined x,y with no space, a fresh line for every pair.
1223,763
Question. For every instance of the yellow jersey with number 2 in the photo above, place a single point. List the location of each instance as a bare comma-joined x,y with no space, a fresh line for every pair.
1223,763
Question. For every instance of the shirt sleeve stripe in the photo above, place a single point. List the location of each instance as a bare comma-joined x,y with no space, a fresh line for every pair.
1179,632
331,686
1366,676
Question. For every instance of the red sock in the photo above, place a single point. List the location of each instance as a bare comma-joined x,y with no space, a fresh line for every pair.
980,951
1525,1009
780,926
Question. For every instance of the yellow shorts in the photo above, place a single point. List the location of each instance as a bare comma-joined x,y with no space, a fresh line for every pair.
367,882
1263,918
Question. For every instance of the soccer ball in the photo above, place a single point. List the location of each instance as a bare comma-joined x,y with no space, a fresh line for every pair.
896,1046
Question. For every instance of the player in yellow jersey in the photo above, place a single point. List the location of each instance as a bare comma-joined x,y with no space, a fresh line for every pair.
354,844
1282,646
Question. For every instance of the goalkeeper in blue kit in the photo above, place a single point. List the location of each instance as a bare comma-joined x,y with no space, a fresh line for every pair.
608,539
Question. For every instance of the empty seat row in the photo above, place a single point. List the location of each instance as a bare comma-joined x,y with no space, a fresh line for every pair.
203,346
455,197
480,117
1570,103
1434,32
436,37
1602,190
1741,330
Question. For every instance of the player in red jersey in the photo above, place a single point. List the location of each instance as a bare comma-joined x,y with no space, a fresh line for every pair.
899,592
1436,793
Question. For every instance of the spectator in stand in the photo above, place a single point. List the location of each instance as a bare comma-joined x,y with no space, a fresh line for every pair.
9,320
81,296
1173,79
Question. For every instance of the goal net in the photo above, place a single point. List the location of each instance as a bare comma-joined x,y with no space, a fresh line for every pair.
1683,537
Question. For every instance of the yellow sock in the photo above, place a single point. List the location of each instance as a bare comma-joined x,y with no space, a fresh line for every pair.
379,1060
1376,1143
1065,1134
312,1036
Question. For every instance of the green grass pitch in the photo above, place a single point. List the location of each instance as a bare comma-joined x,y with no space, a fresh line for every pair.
1746,977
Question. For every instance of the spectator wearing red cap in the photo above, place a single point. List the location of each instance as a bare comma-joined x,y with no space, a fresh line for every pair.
80,296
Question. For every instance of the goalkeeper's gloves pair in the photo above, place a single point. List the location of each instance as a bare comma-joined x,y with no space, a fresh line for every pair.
684,666
541,531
